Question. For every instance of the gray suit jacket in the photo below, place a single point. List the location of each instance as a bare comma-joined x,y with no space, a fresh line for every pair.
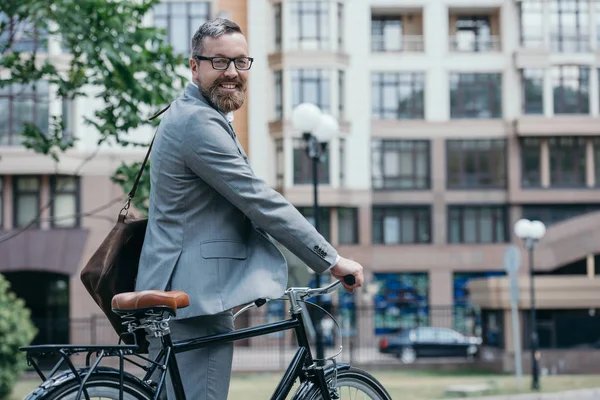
209,217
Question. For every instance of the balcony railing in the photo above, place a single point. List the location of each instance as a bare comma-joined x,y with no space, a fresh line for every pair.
475,45
404,43
570,44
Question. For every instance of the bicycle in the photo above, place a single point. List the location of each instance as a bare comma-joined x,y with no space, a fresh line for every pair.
317,382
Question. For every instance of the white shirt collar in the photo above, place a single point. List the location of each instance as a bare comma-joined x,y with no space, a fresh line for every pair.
229,115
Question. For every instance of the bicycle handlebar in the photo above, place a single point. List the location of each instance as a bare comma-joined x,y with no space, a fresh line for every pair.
348,279
302,292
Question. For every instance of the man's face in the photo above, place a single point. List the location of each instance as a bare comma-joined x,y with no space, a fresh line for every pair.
226,89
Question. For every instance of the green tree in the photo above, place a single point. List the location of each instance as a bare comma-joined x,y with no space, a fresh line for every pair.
16,330
111,53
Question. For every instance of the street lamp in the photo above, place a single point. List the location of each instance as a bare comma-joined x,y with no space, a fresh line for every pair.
531,232
317,130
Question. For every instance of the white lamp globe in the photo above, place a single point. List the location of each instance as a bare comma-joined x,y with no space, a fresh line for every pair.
328,127
306,117
537,230
523,228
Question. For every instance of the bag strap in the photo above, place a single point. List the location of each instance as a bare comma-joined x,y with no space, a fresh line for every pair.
139,175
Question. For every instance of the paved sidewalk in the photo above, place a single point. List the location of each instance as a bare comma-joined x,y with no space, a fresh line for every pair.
580,394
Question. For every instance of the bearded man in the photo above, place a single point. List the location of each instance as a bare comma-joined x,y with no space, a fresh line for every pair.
210,216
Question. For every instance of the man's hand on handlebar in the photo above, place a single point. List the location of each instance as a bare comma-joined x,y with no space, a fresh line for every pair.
348,267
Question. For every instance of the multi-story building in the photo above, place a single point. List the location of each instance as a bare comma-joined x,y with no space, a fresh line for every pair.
456,118
42,247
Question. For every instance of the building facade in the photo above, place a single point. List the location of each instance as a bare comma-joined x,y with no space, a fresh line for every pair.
456,118
43,245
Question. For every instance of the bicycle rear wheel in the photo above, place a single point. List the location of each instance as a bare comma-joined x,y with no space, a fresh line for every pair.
99,387
353,383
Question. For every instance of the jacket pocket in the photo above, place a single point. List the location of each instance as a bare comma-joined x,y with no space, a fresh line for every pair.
224,249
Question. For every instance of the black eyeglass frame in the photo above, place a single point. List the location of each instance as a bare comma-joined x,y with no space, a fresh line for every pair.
211,59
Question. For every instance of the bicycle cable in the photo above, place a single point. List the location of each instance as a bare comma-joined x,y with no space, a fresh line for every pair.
332,358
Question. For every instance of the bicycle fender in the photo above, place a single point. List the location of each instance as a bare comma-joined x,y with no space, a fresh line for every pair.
307,386
45,387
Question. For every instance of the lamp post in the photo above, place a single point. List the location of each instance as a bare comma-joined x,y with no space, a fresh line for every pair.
317,130
530,232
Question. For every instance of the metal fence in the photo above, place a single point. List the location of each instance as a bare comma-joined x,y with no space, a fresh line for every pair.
359,333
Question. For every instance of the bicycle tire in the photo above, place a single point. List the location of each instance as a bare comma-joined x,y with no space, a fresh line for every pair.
100,384
351,378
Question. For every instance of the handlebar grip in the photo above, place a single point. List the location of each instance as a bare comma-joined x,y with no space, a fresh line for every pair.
350,280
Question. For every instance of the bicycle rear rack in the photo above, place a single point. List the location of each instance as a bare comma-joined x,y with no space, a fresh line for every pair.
65,351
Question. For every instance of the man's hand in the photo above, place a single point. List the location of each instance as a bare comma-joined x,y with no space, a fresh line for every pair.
348,267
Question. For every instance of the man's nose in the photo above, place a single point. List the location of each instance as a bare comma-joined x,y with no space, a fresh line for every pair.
231,71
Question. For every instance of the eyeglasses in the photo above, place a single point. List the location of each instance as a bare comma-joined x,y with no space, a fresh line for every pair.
222,63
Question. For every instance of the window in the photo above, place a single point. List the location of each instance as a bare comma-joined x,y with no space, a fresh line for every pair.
553,213
569,25
26,201
341,91
401,164
22,104
567,161
473,34
22,35
387,35
398,95
311,86
65,204
402,301
181,19
477,224
476,163
347,225
309,24
532,84
531,163
464,314
279,163
532,22
597,17
340,25
324,219
571,90
277,10
401,225
278,95
303,173
476,95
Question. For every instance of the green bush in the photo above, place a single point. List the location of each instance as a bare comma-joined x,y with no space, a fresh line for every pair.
16,330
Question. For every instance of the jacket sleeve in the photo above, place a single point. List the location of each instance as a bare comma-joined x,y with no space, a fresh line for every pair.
211,153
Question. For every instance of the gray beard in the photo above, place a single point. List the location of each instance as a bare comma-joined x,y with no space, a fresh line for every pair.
225,102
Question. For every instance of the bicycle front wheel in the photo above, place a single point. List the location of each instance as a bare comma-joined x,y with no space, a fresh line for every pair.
353,383
99,387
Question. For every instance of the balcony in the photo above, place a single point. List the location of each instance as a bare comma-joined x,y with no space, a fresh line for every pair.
474,44
396,30
474,31
409,43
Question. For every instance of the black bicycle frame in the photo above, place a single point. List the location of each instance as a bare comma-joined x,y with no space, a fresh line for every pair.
295,370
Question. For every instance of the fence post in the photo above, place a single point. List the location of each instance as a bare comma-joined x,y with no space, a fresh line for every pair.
93,319
282,350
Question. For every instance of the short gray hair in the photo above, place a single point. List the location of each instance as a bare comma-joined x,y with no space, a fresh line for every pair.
213,28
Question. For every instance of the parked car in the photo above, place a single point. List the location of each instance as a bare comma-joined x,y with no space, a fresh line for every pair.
430,342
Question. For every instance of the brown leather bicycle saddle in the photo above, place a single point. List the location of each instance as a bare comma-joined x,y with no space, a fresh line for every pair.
150,298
